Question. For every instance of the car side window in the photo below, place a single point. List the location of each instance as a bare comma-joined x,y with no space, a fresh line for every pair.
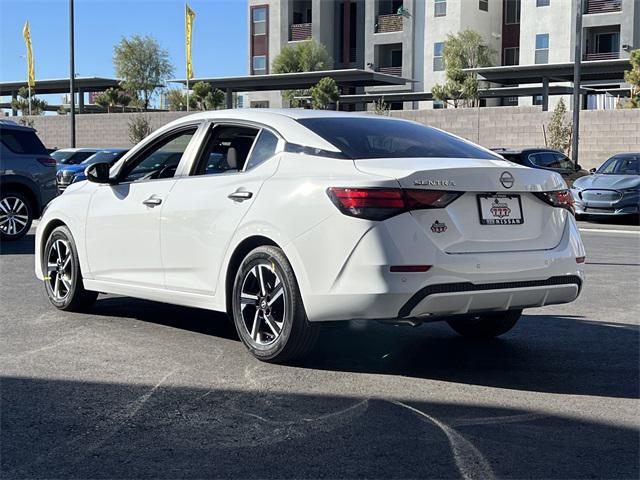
264,149
562,162
162,160
542,159
226,149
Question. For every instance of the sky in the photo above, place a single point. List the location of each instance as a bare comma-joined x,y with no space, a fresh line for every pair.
219,36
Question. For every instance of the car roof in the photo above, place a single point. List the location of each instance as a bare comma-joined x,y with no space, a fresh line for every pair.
515,151
283,120
84,149
113,150
10,124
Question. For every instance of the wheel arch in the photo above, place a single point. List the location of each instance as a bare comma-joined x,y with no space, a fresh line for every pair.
26,187
240,252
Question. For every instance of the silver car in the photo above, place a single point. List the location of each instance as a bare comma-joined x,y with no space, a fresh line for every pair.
612,189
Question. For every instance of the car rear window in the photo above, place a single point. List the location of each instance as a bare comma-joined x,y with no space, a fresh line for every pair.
388,138
22,141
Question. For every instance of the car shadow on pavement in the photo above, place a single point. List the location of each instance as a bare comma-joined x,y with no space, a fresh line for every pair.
544,353
194,320
24,246
86,429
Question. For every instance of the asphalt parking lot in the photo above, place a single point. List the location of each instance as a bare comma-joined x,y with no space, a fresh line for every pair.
135,389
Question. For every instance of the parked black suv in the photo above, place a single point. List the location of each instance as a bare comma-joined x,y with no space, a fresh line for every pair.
546,159
27,179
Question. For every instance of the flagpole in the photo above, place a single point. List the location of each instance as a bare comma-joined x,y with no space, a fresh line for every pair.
29,99
187,92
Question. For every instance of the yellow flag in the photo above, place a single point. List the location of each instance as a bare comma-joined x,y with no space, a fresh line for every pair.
189,16
30,68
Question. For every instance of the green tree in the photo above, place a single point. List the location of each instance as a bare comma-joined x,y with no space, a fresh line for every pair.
324,93
139,128
177,100
464,50
307,56
113,97
559,130
380,107
632,77
143,66
21,103
205,98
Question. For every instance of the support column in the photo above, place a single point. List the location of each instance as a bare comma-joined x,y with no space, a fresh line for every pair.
545,94
229,98
80,100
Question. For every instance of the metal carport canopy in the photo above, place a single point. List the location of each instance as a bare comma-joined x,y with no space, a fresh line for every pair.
296,81
592,71
60,85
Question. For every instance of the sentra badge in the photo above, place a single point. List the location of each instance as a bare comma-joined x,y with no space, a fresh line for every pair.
435,183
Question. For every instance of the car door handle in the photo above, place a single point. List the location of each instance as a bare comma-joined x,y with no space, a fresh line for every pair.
152,201
240,195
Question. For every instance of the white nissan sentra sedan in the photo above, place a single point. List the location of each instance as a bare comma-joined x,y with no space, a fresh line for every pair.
286,219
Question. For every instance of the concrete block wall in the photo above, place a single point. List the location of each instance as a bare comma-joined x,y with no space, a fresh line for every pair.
95,130
602,132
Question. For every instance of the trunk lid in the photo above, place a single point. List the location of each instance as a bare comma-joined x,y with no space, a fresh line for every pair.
458,228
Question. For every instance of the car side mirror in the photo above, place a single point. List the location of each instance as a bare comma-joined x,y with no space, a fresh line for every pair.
592,171
98,172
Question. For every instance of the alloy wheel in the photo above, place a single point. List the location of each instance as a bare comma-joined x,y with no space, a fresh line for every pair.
14,216
60,269
263,303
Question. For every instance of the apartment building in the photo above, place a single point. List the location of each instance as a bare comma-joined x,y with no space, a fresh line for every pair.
406,37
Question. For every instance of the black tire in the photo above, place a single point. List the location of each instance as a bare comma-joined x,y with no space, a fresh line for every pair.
486,325
16,215
295,335
67,282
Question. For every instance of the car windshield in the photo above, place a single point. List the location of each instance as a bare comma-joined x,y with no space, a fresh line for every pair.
62,156
104,156
388,138
621,165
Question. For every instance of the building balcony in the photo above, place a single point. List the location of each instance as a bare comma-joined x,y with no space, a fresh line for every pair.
389,23
588,57
397,71
602,6
299,32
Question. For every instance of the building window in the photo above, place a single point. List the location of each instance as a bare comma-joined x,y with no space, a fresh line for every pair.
542,3
438,105
608,42
542,48
439,8
438,58
537,99
259,21
511,56
512,12
259,64
483,5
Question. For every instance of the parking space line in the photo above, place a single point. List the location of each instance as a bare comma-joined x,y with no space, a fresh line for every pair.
609,230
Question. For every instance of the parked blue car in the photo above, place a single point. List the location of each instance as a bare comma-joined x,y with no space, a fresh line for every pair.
68,174
612,189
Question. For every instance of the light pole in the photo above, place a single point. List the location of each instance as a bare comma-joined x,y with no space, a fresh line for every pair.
577,68
72,77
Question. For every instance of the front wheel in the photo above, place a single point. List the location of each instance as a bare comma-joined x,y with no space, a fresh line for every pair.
267,308
63,279
486,325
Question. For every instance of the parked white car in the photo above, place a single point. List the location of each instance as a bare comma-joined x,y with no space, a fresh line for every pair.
289,218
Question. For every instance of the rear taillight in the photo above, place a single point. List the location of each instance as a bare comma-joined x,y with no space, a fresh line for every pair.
383,203
557,198
47,161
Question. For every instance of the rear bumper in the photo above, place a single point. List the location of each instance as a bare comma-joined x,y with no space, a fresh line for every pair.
457,283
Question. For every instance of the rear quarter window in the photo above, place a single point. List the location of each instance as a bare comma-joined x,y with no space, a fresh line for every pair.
22,141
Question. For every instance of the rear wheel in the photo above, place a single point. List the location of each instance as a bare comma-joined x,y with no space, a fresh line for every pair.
16,215
63,279
486,325
267,308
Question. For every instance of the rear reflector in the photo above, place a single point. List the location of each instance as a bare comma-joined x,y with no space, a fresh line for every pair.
580,259
382,203
47,161
409,268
